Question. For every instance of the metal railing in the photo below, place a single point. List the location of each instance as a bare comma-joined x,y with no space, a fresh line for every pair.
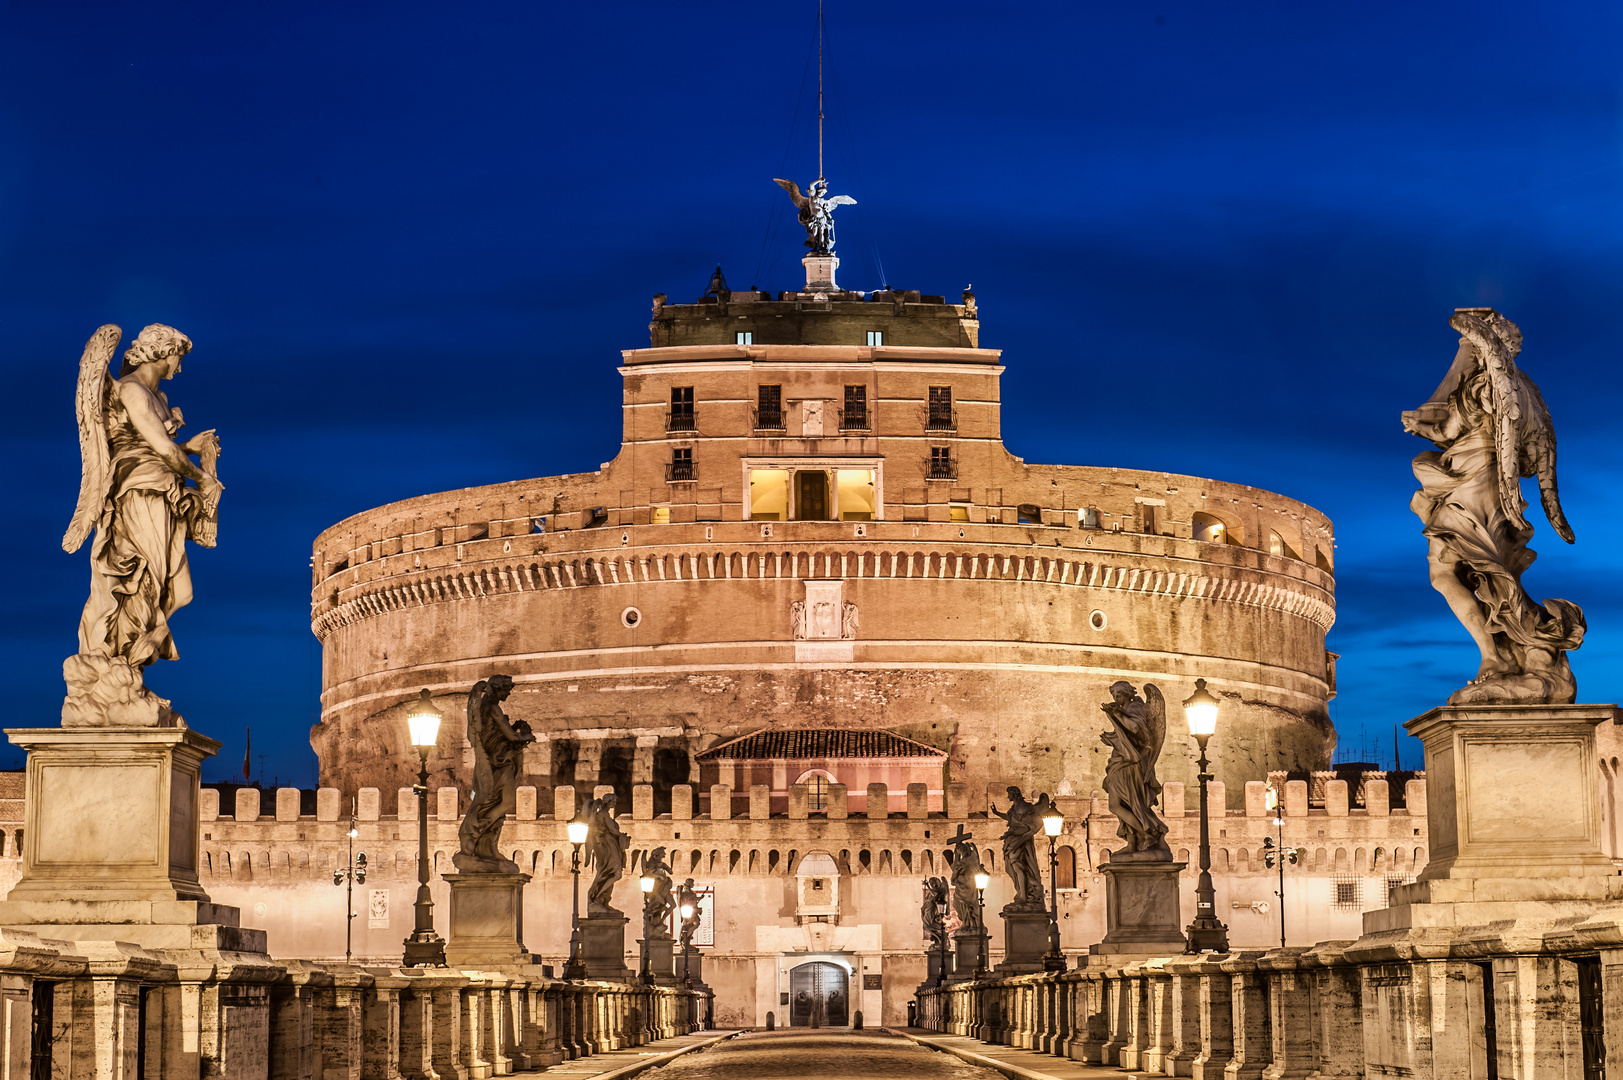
941,419
680,420
681,472
769,419
854,419
941,469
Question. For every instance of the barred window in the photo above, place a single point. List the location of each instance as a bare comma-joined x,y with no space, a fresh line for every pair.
1347,893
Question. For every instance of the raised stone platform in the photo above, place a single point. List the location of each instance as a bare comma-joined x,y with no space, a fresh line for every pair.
1141,910
487,920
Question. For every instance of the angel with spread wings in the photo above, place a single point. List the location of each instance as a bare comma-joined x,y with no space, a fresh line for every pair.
1138,730
1492,428
816,212
134,495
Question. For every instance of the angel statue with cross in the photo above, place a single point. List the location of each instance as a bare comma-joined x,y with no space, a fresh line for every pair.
135,495
816,208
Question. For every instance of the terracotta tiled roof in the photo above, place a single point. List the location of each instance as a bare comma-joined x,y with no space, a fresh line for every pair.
799,743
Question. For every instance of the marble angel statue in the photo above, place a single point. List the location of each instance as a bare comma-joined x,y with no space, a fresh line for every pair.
816,209
498,745
1138,729
1492,428
134,494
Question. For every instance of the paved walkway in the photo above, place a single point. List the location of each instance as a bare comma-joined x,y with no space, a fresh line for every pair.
837,1054
622,1064
1018,1064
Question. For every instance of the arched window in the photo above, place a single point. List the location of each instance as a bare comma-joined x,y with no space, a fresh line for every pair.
1065,873
817,783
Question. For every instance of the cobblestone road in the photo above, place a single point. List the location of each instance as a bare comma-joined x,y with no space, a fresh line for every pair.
824,1055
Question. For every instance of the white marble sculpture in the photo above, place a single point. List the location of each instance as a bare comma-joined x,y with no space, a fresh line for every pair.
498,744
134,494
1138,729
1492,428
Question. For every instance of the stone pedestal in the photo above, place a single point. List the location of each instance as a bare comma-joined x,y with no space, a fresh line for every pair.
487,920
660,947
603,947
970,954
110,841
1025,942
1141,910
932,974
1513,812
820,273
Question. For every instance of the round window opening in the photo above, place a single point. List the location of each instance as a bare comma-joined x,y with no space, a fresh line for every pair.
1097,620
631,617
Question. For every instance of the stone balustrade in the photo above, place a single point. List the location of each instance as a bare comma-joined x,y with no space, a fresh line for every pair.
103,1004
1337,1009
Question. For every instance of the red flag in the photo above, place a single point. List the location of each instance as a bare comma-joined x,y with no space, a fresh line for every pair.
247,752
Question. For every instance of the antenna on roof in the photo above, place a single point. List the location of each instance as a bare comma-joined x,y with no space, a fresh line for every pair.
820,32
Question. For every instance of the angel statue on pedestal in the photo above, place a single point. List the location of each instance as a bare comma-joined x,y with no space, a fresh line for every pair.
816,208
1138,730
1491,427
134,494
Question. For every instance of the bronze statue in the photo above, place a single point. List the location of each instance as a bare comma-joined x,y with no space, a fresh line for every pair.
1020,850
1491,427
606,848
1139,727
497,746
133,492
816,209
931,914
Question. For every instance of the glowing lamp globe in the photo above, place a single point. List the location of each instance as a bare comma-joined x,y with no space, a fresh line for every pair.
577,830
1053,822
687,911
1201,710
982,880
647,884
424,721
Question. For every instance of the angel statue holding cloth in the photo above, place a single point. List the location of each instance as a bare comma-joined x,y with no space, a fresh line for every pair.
1491,427
1138,730
135,496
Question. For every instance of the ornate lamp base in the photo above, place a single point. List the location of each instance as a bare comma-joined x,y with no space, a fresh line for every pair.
425,948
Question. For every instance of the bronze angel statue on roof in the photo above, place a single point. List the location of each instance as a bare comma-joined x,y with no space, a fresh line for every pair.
135,495
1492,428
816,208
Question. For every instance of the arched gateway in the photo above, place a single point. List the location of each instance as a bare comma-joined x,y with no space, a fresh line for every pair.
819,995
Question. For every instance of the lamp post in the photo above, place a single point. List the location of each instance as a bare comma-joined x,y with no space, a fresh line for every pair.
645,976
982,879
351,874
1053,822
1276,854
941,967
686,911
424,948
1205,933
577,831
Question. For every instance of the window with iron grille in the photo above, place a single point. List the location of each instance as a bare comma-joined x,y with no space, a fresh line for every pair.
1347,893
681,408
941,463
681,467
855,414
769,407
941,408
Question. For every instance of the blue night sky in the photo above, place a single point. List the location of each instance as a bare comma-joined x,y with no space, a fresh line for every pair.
408,241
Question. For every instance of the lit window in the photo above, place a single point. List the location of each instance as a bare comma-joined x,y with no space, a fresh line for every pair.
1029,514
958,512
856,494
769,494
1088,517
745,337
876,337
662,515
817,784
1208,528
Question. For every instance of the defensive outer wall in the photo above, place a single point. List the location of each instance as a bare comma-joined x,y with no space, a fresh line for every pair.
981,605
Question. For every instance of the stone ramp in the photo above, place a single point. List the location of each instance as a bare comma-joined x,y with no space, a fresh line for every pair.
822,1054
621,1064
1012,1062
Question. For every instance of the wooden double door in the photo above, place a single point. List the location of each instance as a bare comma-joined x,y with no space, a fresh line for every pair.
819,995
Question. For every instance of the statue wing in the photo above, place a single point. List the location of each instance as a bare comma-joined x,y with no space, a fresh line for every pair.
842,200
1538,456
1155,713
1505,405
794,192
90,403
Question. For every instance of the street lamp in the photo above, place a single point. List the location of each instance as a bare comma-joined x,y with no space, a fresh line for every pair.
577,831
645,975
982,880
941,913
424,948
1053,822
350,875
1276,854
686,911
1205,933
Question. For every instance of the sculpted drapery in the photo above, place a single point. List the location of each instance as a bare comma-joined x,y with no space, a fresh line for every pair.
1139,727
1491,427
1020,850
966,863
606,849
134,494
497,746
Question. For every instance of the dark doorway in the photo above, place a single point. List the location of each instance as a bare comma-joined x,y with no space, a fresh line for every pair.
819,996
811,495
1590,1018
670,768
44,1016
614,769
